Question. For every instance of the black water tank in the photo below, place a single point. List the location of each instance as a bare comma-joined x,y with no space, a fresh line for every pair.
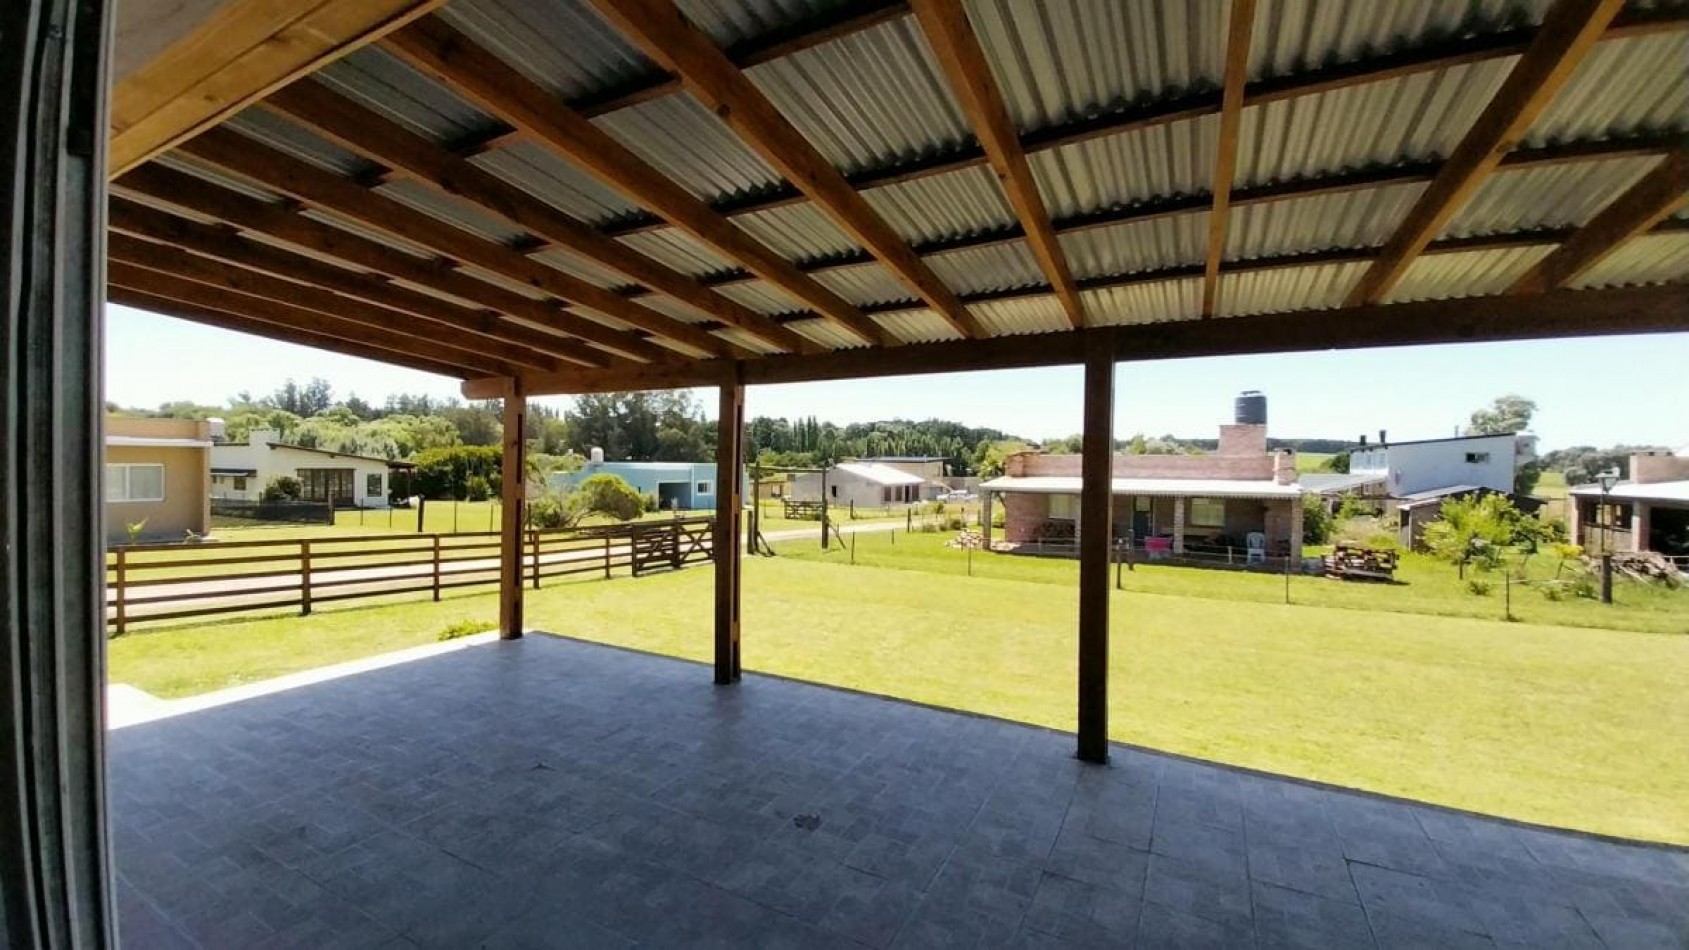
1251,409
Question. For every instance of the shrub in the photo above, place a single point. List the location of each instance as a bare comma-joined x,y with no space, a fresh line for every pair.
465,628
610,495
134,529
477,489
282,488
1479,586
555,511
444,473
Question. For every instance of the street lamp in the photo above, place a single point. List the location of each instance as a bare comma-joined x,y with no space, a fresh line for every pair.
1608,479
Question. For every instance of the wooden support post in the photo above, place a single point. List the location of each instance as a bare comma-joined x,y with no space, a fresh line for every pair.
304,578
515,502
1095,507
119,585
730,426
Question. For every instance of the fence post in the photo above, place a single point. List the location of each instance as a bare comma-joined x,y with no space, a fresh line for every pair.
607,553
436,568
122,573
535,544
304,578
674,545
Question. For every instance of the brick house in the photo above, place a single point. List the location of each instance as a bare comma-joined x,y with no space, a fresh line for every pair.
1178,505
1648,512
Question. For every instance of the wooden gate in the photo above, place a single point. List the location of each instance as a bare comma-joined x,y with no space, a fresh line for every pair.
669,545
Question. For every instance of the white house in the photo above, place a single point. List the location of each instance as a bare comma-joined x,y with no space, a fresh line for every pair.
866,484
1468,461
240,472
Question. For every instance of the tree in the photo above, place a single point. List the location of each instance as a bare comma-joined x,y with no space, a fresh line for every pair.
1507,415
478,423
991,455
1339,462
610,495
1480,527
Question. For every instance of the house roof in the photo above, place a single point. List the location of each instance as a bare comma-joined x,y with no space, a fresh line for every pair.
235,472
1630,491
1199,487
1327,483
904,458
144,441
879,474
493,171
1447,438
391,463
1439,494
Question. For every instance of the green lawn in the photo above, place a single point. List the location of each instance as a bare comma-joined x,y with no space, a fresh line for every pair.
1312,461
1574,727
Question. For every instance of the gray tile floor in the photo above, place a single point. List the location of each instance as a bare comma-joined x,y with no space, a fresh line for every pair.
553,793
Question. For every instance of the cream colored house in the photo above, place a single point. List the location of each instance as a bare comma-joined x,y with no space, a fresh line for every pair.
241,470
158,476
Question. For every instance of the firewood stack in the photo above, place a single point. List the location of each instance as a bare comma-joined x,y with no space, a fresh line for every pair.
968,538
1641,566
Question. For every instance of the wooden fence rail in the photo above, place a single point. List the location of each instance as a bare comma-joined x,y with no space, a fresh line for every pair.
155,582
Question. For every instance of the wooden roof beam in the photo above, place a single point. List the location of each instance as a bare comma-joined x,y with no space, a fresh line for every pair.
1645,204
1225,156
437,319
658,28
954,42
474,73
288,224
1568,32
364,131
317,188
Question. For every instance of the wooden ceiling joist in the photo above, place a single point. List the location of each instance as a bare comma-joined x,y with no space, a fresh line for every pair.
237,55
284,315
242,323
288,224
364,131
1644,205
1568,32
952,38
223,243
327,191
658,28
1225,157
474,73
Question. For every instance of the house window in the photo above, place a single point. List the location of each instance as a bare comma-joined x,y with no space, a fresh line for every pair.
1064,507
1477,458
372,485
142,482
702,488
1207,513
240,483
326,484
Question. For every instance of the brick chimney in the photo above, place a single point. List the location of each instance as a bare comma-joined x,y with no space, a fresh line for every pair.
1284,467
1242,440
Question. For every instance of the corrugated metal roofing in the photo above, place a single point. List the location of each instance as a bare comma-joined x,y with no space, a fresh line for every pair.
799,232
277,133
761,296
189,165
1137,245
730,22
954,204
1021,315
1127,169
450,209
1380,123
1300,225
553,180
688,144
381,82
1299,35
1287,288
994,267
1624,86
1650,259
1156,302
561,44
679,250
916,326
868,99
1466,273
368,233
577,266
670,307
864,284
1549,197
826,332
1067,59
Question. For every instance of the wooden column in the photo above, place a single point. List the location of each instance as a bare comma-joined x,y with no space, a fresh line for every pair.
515,498
1179,504
730,427
1095,508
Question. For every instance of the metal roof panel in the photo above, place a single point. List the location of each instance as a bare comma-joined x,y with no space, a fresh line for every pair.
1018,316
1465,274
1649,259
954,204
1316,287
1137,245
1552,196
1623,87
1118,171
1155,302
687,143
1364,218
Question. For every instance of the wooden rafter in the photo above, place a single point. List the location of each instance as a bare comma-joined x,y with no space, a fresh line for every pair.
1225,156
658,29
287,316
954,42
238,54
433,316
1568,33
1644,205
322,189
1561,313
364,131
474,73
288,224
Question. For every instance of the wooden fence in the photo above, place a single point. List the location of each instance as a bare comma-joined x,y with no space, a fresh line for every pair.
153,582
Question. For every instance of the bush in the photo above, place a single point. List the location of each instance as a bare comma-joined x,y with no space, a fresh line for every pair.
282,488
477,489
1479,586
1316,520
554,511
612,496
465,628
444,473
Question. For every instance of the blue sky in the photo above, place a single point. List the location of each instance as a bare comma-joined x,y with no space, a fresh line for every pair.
1594,391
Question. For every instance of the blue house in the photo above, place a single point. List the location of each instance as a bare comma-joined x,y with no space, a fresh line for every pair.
675,485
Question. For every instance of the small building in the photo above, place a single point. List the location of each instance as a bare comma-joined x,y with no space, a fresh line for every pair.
1177,505
863,484
1409,468
677,486
933,468
240,472
1648,512
157,477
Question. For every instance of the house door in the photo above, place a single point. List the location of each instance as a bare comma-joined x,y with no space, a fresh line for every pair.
327,485
1142,523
